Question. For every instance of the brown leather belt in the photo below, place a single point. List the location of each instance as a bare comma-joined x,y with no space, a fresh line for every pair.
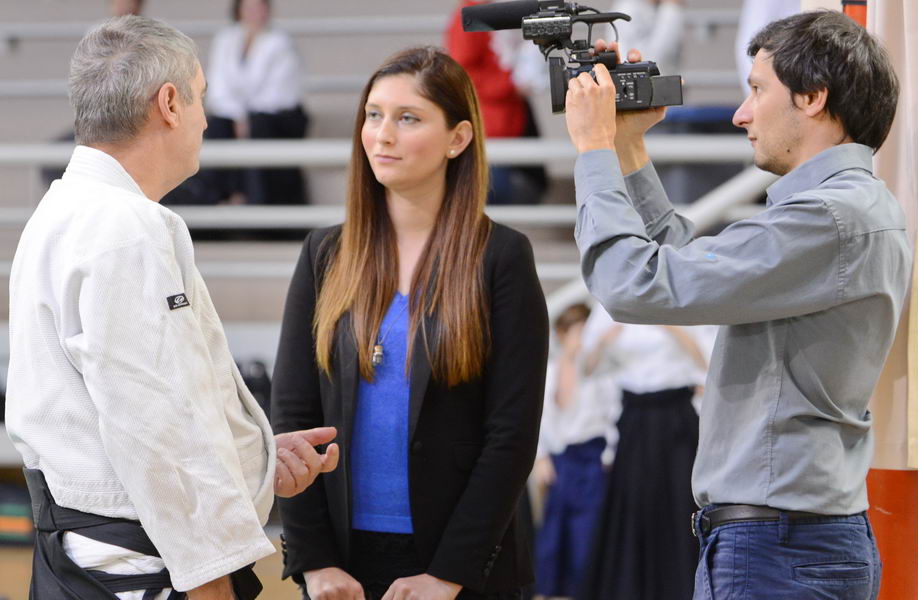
743,513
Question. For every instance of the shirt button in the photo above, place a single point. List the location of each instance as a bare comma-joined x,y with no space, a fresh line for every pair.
417,447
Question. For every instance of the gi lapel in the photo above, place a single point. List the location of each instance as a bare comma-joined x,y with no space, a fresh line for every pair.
419,376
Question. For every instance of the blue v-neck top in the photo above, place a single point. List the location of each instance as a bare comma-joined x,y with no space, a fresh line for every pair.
379,446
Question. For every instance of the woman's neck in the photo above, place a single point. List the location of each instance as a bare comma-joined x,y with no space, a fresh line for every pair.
413,217
414,214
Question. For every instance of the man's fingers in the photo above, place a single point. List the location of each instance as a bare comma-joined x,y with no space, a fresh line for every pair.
330,458
283,480
310,457
602,45
634,55
299,471
602,74
319,435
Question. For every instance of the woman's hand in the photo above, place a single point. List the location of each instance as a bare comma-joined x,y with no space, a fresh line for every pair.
422,587
332,583
298,462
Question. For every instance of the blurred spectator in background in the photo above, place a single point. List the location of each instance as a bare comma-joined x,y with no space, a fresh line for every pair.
656,27
255,90
502,68
577,420
642,548
754,16
123,8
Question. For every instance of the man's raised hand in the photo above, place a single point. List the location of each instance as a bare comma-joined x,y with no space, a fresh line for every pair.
299,463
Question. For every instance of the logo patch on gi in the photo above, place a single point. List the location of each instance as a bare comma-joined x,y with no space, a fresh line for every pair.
178,301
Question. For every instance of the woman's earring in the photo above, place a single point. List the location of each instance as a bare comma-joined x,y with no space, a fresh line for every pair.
452,153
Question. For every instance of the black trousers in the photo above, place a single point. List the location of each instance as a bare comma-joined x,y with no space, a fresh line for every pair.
56,577
642,548
260,186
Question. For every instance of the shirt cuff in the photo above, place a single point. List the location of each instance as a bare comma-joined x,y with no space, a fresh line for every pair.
594,171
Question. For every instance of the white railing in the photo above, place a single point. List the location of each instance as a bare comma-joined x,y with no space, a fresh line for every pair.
336,84
700,19
335,153
710,210
664,148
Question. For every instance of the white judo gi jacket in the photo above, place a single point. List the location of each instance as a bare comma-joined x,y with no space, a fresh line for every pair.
121,386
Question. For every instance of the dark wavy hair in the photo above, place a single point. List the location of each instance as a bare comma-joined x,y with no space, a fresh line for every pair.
826,49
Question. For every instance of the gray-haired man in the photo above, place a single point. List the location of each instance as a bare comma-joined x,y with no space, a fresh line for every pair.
151,467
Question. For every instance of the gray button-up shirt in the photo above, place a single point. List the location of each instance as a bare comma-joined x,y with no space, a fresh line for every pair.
809,293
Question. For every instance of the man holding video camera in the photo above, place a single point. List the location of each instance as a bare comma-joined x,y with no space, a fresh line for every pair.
808,293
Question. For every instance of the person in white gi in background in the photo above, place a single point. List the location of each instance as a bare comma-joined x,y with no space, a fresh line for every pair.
123,398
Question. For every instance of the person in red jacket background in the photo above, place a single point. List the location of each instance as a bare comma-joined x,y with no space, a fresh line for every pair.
492,62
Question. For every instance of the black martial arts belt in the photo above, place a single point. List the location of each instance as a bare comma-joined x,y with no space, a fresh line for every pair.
56,577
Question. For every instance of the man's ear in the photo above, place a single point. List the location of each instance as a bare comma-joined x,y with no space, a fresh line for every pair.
461,137
812,103
167,104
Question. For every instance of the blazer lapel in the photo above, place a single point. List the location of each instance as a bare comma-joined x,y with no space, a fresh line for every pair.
419,376
349,375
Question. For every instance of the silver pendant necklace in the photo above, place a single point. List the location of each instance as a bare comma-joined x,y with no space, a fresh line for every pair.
377,357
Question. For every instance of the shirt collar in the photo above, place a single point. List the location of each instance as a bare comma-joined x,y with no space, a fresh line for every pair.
91,163
819,168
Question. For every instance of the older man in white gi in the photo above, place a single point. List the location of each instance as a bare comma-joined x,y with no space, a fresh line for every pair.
151,467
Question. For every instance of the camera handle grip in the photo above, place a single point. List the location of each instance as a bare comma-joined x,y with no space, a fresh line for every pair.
609,58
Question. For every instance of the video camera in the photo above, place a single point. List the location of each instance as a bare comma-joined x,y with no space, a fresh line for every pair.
550,25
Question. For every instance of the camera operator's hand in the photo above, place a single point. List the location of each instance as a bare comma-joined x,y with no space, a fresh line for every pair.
631,125
590,113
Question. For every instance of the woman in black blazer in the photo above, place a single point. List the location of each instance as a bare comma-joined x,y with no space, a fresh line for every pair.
418,328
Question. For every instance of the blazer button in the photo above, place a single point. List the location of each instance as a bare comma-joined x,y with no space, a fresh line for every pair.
417,447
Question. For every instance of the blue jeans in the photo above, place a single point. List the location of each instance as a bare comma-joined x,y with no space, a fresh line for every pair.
826,558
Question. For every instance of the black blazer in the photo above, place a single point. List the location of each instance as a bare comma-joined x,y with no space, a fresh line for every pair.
471,446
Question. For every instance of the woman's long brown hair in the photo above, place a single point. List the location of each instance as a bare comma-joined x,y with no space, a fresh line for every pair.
447,284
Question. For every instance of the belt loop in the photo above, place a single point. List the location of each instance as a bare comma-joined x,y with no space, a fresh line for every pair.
783,527
867,524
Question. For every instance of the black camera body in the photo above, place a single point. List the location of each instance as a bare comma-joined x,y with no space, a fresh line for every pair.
550,25
637,85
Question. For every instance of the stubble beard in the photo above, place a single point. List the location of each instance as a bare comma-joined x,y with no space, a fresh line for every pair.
778,156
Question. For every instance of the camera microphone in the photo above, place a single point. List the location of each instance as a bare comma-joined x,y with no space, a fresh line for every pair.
500,15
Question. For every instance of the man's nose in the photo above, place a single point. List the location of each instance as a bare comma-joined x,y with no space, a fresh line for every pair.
743,115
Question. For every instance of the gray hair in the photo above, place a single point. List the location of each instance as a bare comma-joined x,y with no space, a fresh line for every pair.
118,67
